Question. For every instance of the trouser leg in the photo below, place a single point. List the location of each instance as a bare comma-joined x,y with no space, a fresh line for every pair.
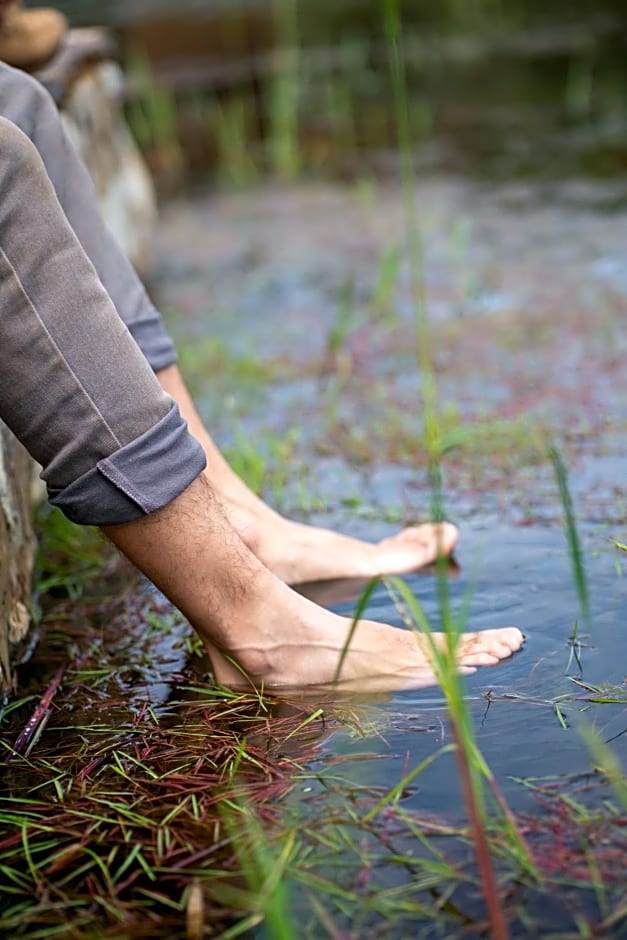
74,387
28,105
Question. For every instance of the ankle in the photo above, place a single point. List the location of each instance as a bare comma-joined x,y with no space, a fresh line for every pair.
264,637
240,668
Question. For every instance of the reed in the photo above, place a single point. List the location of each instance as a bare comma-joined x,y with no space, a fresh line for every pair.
472,768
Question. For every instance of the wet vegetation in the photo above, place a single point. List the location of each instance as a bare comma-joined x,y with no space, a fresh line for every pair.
140,800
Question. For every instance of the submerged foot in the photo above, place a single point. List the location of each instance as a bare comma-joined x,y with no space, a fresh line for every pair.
314,647
304,645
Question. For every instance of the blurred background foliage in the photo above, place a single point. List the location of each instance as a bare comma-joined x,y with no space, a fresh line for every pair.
498,88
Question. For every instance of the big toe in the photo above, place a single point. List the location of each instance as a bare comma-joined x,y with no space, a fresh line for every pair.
438,538
415,547
509,637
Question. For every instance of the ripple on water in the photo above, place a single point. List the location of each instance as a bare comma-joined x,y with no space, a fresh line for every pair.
517,576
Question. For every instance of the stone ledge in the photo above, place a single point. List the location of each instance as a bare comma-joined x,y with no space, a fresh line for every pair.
89,87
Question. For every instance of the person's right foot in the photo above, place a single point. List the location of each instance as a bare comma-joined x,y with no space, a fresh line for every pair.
304,646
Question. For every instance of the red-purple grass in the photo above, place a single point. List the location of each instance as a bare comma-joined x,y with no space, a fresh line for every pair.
126,818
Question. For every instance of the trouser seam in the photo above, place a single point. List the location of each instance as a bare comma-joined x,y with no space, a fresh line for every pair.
121,481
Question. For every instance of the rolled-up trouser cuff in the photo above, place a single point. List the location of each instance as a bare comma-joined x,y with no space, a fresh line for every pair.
151,337
139,478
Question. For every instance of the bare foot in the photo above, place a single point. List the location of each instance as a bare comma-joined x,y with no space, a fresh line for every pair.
277,637
298,553
305,647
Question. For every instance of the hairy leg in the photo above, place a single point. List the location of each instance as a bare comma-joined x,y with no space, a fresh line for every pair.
246,615
295,552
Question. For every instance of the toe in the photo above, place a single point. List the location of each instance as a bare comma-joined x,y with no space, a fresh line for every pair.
436,538
489,646
511,637
442,535
480,658
448,536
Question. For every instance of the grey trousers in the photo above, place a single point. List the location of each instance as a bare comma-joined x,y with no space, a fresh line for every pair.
75,387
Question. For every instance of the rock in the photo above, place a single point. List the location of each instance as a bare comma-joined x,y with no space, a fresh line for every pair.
16,546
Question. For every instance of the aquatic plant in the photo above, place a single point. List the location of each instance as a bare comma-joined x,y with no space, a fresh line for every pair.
152,114
284,148
208,812
472,768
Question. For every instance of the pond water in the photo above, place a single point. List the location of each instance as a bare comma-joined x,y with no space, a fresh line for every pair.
524,578
529,323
